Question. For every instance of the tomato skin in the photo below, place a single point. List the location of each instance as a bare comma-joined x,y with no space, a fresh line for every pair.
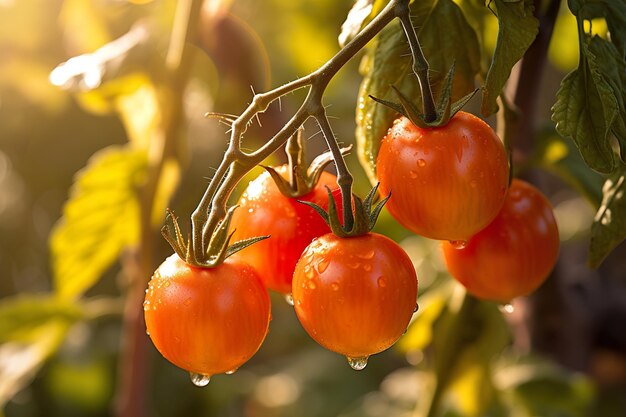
264,210
206,320
355,296
448,182
514,254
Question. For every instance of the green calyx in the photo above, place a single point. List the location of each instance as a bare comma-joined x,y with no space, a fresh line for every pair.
301,179
444,107
218,247
365,213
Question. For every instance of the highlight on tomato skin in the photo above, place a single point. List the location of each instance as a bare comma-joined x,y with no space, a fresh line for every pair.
264,210
355,296
447,182
514,254
207,320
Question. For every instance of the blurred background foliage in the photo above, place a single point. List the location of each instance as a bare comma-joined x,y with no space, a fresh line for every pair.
559,353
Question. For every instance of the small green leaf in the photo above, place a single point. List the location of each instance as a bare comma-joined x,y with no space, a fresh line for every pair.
609,225
100,218
445,37
517,29
585,111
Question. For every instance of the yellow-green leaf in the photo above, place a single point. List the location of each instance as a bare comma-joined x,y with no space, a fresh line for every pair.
99,220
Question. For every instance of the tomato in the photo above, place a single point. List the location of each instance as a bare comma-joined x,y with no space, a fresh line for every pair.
514,254
206,320
355,296
447,182
264,210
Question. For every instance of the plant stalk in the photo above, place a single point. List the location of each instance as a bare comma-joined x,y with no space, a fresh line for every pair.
130,398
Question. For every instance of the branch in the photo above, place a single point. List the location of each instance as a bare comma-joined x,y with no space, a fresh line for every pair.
236,164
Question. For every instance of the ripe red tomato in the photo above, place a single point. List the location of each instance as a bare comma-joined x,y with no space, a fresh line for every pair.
264,210
514,254
206,320
355,296
447,182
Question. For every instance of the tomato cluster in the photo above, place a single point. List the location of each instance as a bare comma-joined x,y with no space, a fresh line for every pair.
354,292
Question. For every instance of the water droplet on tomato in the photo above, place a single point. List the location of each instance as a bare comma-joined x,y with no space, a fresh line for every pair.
232,371
367,255
147,332
334,286
413,174
507,308
381,282
146,305
167,284
421,163
199,380
250,210
367,267
322,265
311,285
358,364
289,299
458,244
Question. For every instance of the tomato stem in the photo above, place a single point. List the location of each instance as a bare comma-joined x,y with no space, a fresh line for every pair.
420,65
236,163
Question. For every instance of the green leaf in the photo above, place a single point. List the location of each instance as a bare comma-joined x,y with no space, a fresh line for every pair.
517,29
99,220
446,38
32,327
609,225
585,111
22,315
613,68
614,12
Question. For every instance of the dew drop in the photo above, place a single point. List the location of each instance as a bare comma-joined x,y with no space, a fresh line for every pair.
147,332
232,371
367,267
421,163
250,210
322,265
413,174
311,285
367,255
381,282
167,284
334,286
358,364
458,244
199,380
146,305
289,299
507,308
